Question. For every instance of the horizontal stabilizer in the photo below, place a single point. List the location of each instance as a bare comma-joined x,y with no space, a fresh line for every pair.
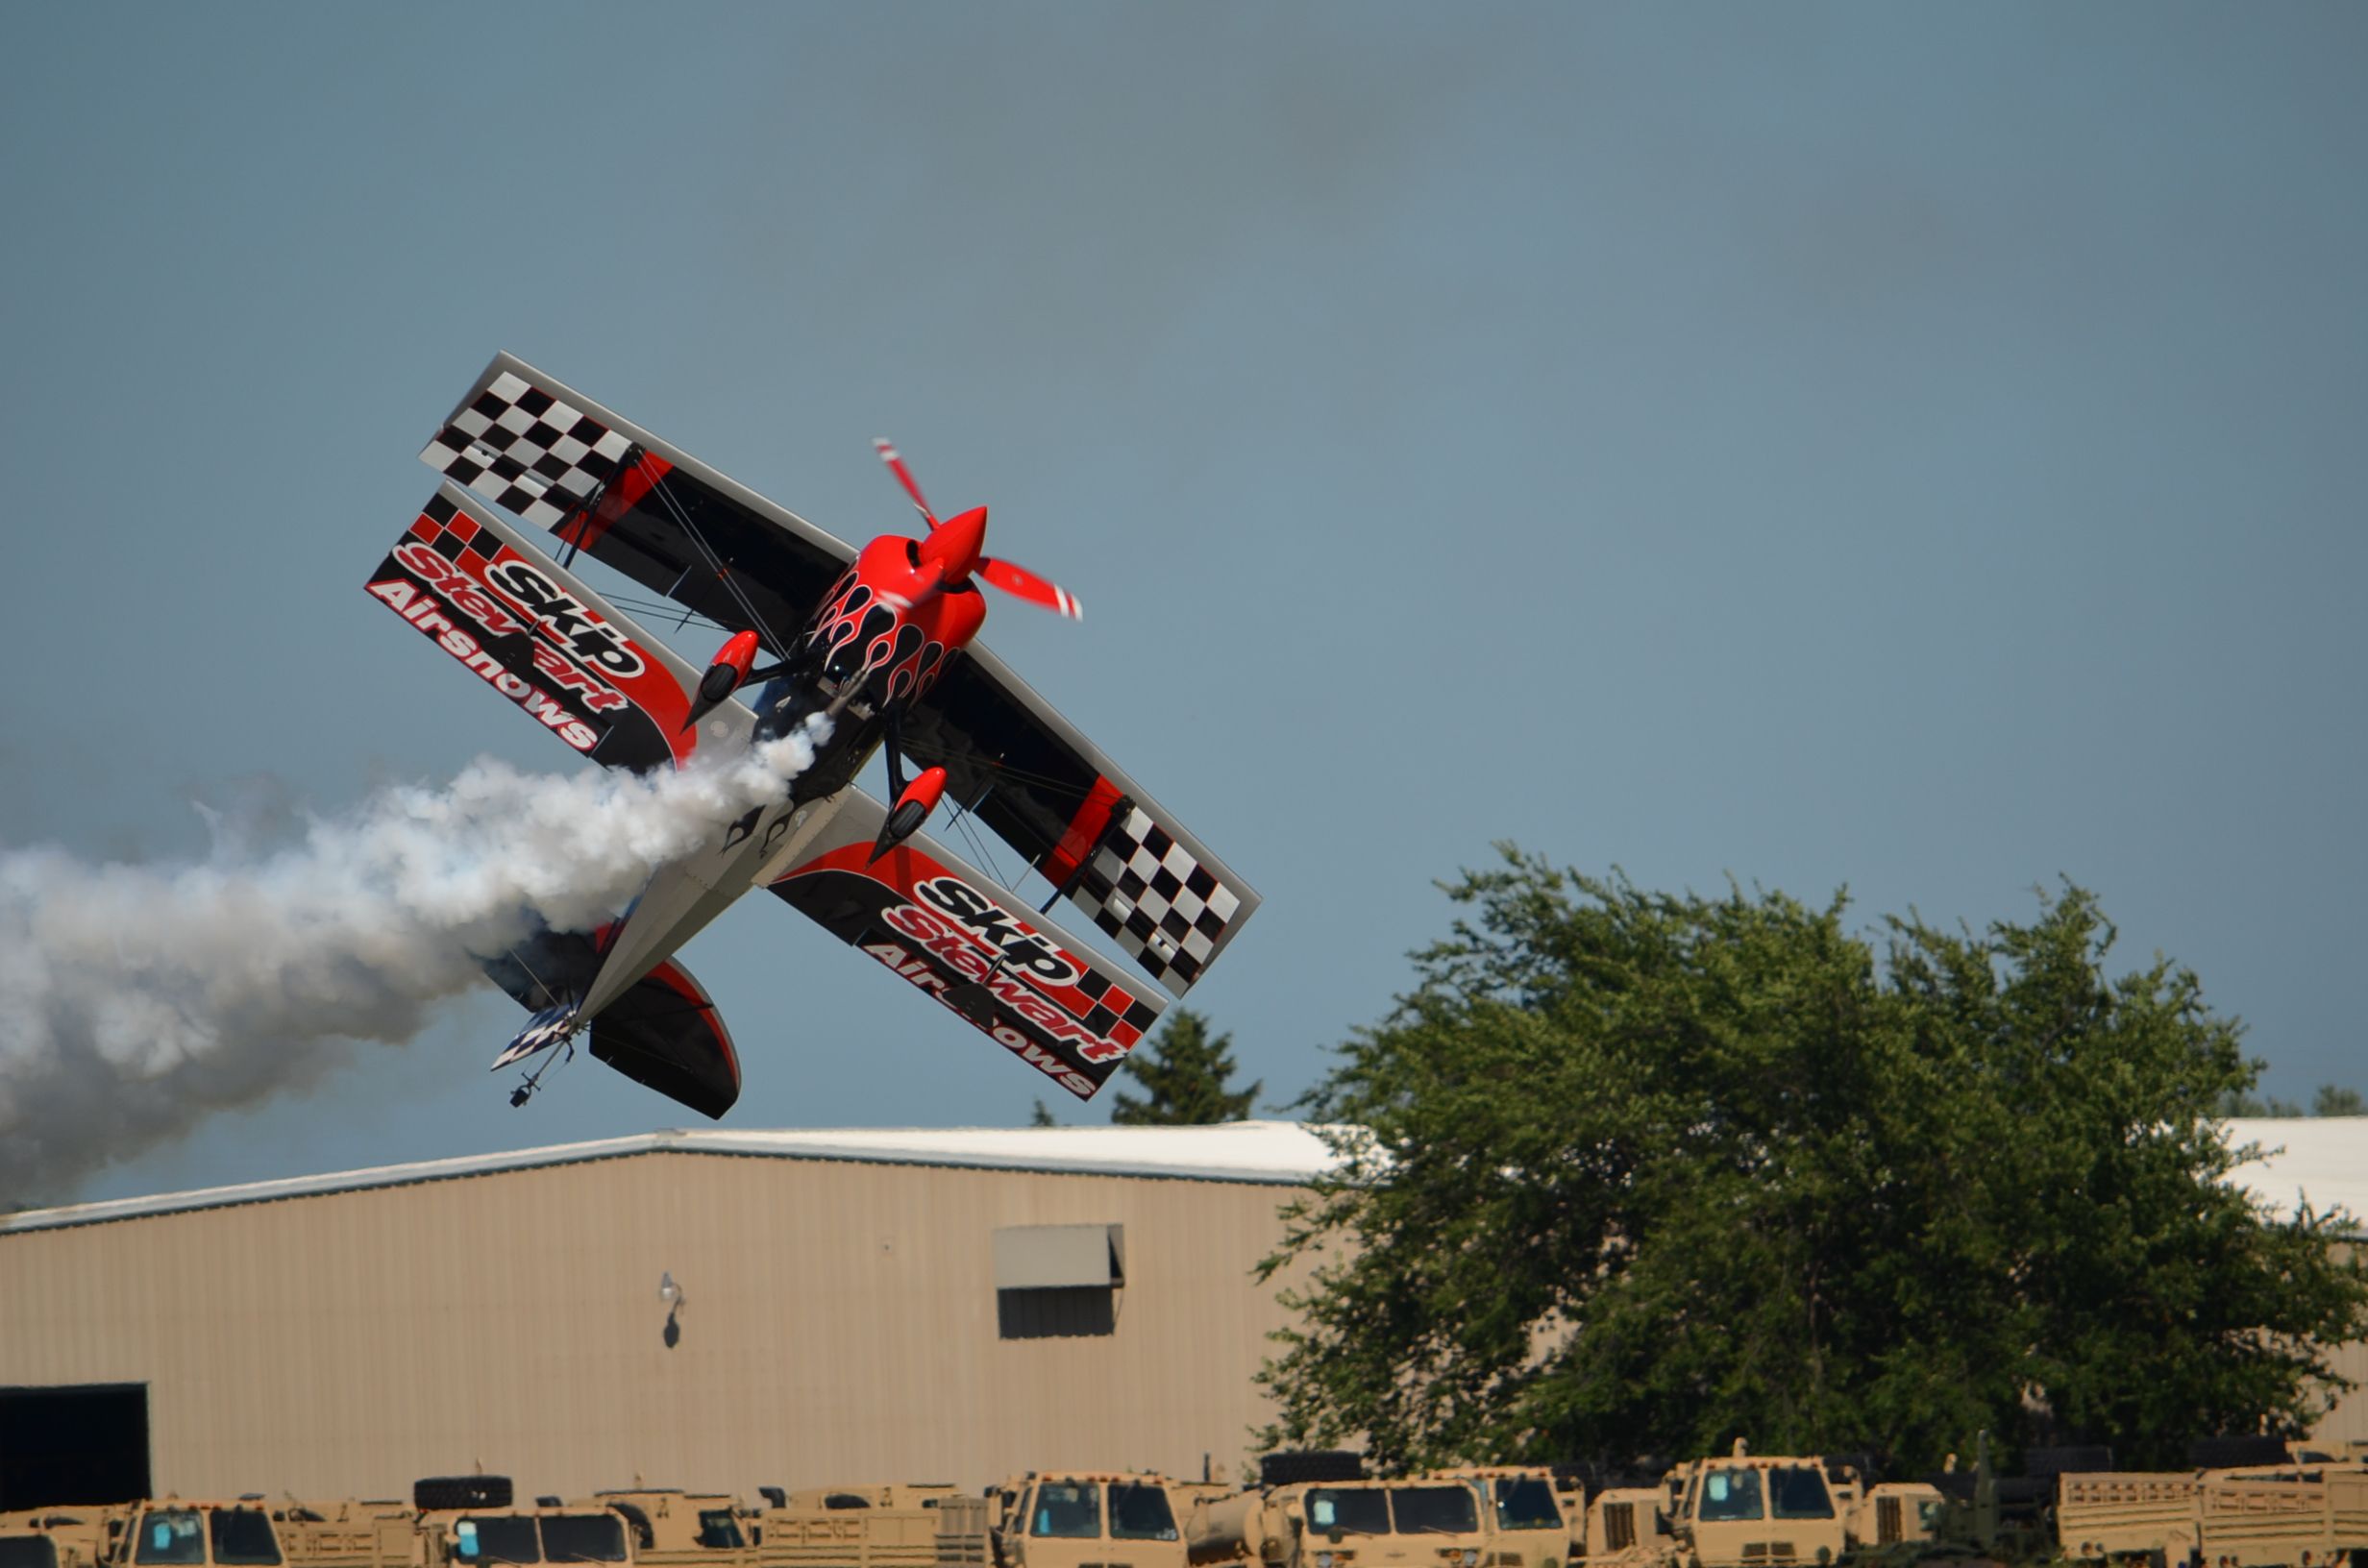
952,932
663,1031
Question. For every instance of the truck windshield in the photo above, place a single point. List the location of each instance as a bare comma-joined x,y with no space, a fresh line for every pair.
719,1531
1351,1512
28,1552
1525,1503
1140,1512
496,1537
1797,1491
169,1535
242,1538
1068,1510
582,1537
1730,1494
1434,1510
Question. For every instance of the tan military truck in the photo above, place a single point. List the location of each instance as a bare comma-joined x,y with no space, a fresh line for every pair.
60,1537
1346,1524
1627,1527
351,1533
1769,1509
552,1531
874,1526
2291,1515
674,1528
1069,1518
1756,1510
168,1532
1534,1519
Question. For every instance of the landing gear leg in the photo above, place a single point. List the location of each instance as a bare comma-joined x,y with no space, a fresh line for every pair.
525,1091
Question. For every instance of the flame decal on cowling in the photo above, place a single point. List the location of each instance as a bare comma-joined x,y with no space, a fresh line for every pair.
852,617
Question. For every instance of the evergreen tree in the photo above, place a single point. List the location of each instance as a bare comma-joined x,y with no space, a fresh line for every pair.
1042,1117
1185,1073
2333,1101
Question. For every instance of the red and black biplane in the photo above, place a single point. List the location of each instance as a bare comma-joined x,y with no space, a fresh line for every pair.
880,642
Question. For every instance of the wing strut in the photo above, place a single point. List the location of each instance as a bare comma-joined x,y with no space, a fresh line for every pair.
715,563
1119,811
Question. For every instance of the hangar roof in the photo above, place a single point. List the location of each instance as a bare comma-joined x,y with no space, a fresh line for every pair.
2319,1159
1281,1153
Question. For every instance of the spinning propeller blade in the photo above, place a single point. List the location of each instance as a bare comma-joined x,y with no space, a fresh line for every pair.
1020,582
904,477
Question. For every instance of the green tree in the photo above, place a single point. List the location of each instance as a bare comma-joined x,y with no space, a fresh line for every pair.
1042,1117
1637,1172
1186,1075
2332,1100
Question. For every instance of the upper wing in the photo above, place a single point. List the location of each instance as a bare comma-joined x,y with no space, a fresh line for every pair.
528,442
951,932
1085,827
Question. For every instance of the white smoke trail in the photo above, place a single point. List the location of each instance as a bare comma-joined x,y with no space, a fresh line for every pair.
135,998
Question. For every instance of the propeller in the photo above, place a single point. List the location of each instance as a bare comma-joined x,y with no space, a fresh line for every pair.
1016,580
895,460
1021,583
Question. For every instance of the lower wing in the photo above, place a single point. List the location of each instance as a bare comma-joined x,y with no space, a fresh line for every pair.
950,931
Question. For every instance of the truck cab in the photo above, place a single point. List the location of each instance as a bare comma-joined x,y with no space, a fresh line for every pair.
171,1533
552,1531
1758,1510
1533,1518
1070,1518
1363,1524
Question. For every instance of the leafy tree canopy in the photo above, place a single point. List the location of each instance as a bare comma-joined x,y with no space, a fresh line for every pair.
1186,1073
1645,1173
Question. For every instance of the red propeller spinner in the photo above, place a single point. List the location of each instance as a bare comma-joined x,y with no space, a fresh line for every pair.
953,549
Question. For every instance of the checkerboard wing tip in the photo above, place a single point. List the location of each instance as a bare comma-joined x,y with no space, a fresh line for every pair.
1162,900
524,447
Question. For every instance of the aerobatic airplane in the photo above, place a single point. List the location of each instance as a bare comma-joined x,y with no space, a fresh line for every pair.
878,641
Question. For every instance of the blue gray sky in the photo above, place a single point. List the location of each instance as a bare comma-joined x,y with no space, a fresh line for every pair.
1917,448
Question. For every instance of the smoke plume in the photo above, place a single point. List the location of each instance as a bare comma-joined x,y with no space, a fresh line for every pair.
134,999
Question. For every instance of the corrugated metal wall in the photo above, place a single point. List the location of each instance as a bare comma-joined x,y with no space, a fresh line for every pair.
839,1324
2348,1421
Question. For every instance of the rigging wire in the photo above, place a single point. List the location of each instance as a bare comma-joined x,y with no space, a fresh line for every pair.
722,570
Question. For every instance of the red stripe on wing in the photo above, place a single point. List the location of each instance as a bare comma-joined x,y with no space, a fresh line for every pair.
1085,830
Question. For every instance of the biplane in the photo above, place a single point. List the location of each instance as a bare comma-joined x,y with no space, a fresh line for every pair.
872,649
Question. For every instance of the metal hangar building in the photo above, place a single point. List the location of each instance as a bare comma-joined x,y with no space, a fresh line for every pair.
720,1309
